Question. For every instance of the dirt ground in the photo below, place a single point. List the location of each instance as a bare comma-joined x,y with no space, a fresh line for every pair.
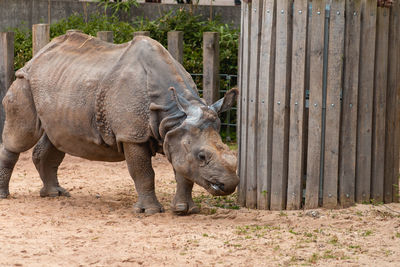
96,226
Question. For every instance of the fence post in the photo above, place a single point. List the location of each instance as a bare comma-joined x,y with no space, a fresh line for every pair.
141,33
106,36
175,45
6,69
40,37
210,66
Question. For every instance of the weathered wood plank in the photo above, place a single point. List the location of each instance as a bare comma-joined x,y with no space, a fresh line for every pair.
175,45
211,67
391,102
246,15
297,105
239,112
266,104
395,181
252,148
365,100
333,104
315,104
40,37
347,167
107,36
6,69
379,111
281,105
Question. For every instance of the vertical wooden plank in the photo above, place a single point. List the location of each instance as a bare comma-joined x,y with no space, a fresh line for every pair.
266,104
391,102
255,38
241,198
246,14
141,33
379,110
297,105
175,45
333,104
211,67
315,104
40,37
281,105
348,132
107,36
6,69
395,181
365,100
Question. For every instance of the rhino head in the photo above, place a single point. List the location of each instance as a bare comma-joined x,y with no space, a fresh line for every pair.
195,148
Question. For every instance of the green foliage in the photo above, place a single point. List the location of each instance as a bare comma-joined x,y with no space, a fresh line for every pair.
22,47
124,6
193,27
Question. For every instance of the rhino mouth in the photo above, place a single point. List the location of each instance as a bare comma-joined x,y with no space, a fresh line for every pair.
215,188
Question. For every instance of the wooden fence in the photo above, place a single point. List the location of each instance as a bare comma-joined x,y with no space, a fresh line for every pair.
319,105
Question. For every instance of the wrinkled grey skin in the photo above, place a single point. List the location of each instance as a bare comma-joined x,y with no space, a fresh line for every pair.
108,102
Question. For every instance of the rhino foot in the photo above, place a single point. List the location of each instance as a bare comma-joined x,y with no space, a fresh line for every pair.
184,208
4,193
148,205
54,192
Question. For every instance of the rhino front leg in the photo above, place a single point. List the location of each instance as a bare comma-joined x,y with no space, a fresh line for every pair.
47,158
183,203
138,158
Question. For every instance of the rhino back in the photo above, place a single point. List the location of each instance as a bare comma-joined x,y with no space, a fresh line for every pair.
66,82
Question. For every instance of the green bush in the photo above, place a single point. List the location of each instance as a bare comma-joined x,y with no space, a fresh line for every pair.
178,20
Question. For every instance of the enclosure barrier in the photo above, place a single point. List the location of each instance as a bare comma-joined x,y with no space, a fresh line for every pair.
319,104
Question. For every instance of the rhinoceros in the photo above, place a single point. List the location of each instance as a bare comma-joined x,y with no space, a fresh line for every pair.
105,102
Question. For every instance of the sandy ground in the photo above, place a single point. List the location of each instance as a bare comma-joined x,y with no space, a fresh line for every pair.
96,226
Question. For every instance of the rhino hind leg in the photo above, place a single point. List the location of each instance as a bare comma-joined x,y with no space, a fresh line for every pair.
138,159
21,129
7,163
47,158
183,203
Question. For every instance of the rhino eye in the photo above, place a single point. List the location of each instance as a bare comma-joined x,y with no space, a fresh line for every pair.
202,156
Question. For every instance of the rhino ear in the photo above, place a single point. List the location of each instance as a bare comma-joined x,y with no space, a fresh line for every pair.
181,102
226,102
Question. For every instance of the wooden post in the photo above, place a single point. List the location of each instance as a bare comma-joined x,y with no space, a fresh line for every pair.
379,111
6,69
40,37
365,98
281,105
333,103
107,36
175,45
315,104
396,133
266,104
141,33
210,67
347,167
297,105
244,83
255,39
